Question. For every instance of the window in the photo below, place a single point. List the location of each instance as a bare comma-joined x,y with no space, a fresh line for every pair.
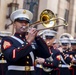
32,5
66,16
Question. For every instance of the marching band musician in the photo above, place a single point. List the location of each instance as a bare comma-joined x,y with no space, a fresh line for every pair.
21,48
3,62
50,64
65,44
73,55
64,65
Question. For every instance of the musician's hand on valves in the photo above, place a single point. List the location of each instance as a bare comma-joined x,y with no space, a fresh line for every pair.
40,60
31,35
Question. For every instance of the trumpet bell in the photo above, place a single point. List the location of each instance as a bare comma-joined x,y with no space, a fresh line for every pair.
46,16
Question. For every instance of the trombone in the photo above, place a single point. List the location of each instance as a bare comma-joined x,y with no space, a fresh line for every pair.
48,20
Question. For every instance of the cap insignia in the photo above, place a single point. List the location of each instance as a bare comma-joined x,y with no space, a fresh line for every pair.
24,11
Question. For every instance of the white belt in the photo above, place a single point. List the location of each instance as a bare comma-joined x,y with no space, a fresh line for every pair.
3,61
65,66
21,68
39,66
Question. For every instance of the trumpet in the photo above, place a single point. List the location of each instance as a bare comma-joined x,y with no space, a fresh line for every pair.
48,20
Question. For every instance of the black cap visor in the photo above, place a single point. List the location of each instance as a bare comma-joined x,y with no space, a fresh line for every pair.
73,43
49,37
22,19
65,44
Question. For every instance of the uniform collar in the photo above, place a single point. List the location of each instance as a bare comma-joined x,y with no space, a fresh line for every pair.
21,35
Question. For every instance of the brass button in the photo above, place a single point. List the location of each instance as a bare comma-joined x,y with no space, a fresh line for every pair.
18,47
22,45
26,43
20,35
48,63
27,68
40,66
27,62
60,65
28,57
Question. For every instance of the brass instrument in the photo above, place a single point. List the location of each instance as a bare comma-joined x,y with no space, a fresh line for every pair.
48,20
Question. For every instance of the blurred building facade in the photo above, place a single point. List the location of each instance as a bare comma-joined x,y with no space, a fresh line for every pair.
62,8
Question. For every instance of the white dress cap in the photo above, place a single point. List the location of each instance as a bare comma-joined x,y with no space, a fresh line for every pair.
48,32
21,13
73,41
64,40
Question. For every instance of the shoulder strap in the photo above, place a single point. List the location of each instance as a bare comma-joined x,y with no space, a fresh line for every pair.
62,60
19,40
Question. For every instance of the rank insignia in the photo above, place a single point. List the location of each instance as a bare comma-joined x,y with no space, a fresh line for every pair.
58,57
14,53
6,44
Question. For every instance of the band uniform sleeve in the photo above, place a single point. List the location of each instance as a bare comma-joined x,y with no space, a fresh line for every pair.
13,53
42,50
53,63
